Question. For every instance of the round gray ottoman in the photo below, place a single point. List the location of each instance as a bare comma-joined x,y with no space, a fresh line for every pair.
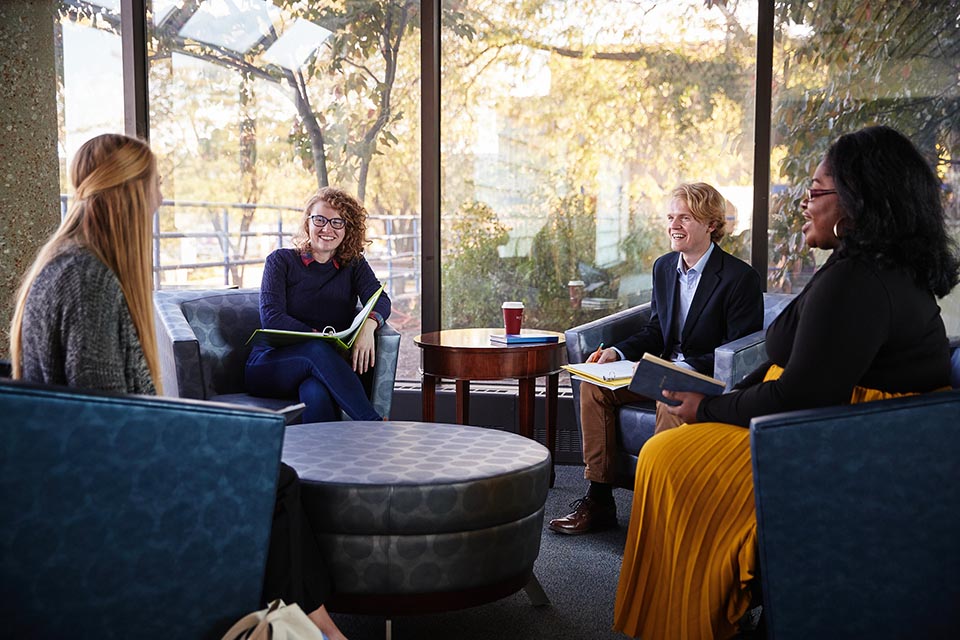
420,517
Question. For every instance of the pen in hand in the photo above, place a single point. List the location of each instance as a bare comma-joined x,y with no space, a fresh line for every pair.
596,354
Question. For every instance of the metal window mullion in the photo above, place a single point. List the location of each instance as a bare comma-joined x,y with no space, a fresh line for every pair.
133,39
430,164
759,250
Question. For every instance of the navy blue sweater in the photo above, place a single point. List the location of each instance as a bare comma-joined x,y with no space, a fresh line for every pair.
305,297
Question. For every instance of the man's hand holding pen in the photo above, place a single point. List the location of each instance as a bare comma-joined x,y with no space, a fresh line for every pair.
602,355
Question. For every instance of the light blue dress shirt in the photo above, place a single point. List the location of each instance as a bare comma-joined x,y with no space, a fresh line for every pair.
687,282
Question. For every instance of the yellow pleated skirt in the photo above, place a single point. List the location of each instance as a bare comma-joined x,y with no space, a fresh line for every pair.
691,547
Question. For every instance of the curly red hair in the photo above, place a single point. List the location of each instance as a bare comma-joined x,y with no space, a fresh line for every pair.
350,209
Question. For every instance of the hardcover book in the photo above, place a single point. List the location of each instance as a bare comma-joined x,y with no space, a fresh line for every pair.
523,338
654,374
343,339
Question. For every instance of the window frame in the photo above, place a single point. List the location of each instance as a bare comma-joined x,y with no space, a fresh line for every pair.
136,118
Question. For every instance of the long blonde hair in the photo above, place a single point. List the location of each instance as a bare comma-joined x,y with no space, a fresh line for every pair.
110,217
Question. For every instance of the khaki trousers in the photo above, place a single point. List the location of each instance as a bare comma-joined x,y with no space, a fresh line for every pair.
598,414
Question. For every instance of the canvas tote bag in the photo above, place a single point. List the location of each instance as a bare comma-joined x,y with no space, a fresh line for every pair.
278,621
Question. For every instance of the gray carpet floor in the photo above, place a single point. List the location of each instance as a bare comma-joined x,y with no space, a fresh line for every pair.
578,573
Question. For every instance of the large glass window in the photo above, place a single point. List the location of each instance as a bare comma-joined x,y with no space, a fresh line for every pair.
89,76
845,64
565,125
256,104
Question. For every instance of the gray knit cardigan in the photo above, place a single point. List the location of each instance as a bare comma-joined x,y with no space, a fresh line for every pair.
77,329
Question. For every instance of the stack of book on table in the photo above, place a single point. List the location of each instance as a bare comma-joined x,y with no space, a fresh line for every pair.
524,338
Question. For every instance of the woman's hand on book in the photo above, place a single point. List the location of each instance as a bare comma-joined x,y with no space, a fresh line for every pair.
689,403
364,352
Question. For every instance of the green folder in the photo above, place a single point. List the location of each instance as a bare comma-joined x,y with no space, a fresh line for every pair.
343,339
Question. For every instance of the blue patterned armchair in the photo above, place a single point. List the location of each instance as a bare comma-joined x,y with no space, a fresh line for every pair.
131,516
858,518
635,422
201,336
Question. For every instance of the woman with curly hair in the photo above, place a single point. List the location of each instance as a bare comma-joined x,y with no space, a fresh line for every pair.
317,284
866,327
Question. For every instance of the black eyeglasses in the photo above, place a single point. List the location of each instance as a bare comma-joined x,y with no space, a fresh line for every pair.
816,193
322,221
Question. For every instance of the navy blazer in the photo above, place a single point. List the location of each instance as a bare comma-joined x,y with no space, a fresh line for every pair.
728,305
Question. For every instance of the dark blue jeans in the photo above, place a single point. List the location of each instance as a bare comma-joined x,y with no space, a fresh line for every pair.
317,373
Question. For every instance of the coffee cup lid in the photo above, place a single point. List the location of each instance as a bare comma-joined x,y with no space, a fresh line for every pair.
512,305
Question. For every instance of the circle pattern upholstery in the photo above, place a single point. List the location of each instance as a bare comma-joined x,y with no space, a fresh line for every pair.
409,507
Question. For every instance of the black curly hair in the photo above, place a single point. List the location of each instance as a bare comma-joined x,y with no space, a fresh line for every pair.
894,202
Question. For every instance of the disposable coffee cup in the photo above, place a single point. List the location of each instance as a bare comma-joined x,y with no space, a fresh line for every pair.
512,317
576,293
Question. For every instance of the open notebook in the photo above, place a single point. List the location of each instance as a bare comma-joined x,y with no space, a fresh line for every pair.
343,339
612,375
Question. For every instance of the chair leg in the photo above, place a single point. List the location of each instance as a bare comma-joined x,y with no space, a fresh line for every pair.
538,597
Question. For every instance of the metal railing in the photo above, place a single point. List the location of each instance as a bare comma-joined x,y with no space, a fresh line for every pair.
393,252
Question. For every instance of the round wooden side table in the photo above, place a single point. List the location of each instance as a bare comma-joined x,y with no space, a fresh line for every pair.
468,354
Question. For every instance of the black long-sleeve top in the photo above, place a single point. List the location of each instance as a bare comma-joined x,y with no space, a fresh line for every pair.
854,324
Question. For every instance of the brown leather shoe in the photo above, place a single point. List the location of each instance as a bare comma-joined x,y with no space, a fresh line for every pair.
588,516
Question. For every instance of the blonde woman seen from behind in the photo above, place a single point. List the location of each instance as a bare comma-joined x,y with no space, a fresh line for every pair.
84,318
84,313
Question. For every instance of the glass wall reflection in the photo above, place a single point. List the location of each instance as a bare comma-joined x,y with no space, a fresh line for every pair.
564,128
256,104
839,66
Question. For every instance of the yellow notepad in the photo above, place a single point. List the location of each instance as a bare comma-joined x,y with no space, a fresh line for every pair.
612,375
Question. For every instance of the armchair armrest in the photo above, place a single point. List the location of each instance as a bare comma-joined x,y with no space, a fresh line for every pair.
733,360
385,368
955,362
584,339
178,347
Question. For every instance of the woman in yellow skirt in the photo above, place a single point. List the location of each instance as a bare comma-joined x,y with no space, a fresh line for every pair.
867,326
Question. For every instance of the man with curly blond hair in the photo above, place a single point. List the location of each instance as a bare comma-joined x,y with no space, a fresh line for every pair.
702,298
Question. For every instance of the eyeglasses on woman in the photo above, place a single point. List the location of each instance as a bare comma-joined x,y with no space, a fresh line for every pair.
816,193
322,221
